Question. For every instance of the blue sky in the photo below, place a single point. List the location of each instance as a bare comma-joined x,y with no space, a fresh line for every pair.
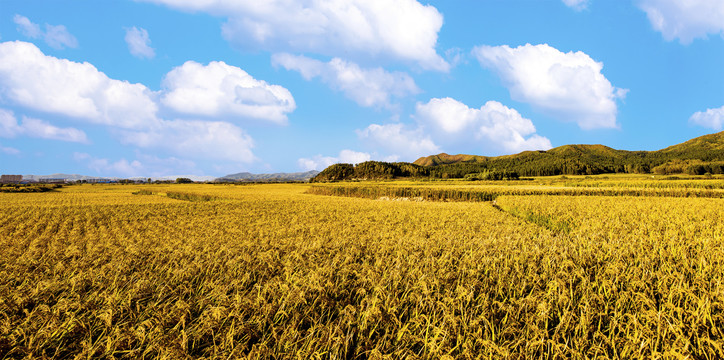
208,88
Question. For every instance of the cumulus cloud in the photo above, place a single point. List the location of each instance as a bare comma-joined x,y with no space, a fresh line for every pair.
492,128
122,167
44,130
577,5
400,140
56,36
45,83
711,118
367,87
143,165
399,29
320,162
444,124
568,86
218,89
195,139
139,44
685,20
33,80
9,127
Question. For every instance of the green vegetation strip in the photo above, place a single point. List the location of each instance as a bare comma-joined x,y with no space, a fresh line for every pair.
549,222
489,194
189,197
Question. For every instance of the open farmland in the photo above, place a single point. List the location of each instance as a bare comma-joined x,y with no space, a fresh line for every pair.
595,267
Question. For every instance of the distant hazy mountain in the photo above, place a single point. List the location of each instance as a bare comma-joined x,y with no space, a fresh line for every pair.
299,176
72,177
196,178
245,176
75,177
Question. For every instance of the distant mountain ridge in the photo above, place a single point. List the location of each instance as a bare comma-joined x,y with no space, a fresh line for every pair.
701,155
71,177
246,176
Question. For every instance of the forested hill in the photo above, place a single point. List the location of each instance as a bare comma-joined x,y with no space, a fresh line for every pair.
706,148
701,155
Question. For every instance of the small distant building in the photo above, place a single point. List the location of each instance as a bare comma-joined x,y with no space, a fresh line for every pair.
11,179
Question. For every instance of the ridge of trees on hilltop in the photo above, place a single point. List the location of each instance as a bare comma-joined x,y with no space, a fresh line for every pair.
371,170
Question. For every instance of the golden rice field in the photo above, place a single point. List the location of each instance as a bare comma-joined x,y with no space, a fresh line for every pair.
553,269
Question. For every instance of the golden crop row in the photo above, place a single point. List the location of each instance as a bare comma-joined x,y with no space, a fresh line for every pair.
268,271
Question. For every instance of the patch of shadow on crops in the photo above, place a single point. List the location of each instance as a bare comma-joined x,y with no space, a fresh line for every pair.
189,197
23,188
557,227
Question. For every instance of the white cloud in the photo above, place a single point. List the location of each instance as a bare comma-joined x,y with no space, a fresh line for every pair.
56,36
139,44
9,127
9,150
577,5
44,130
400,29
711,118
195,139
120,168
9,124
456,56
685,19
143,165
30,79
492,128
568,86
218,89
45,83
320,162
367,87
27,27
398,140
443,124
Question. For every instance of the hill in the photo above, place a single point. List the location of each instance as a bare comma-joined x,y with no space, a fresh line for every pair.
706,148
443,158
275,177
700,155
